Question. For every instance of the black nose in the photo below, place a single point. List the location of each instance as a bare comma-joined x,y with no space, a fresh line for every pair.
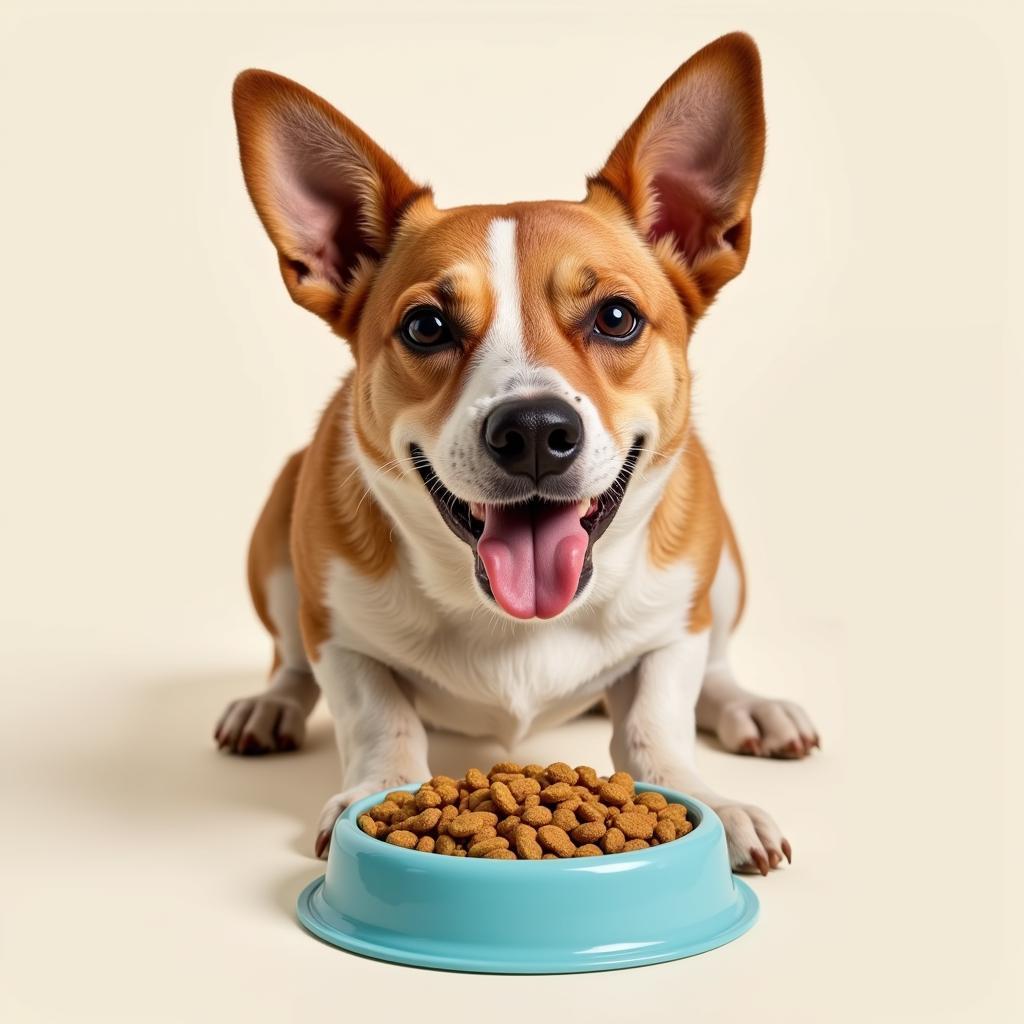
533,437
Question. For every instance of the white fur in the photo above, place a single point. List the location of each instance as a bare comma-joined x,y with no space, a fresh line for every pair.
283,607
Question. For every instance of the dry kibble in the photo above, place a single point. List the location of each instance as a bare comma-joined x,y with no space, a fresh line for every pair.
485,846
556,793
522,788
507,826
564,819
503,798
556,840
422,822
526,813
613,794
653,801
591,831
428,798
665,831
561,772
470,822
635,844
445,844
613,841
536,816
636,826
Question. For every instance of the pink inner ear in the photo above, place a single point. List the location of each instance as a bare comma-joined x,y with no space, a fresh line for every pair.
686,212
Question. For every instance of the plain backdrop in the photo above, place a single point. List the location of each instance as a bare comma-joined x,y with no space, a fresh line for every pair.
858,388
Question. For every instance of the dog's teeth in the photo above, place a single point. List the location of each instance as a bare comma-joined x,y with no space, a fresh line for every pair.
476,510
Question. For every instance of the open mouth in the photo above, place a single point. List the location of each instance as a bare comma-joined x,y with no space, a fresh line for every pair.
533,557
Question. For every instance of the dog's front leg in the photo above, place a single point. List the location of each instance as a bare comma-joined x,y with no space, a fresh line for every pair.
381,739
654,738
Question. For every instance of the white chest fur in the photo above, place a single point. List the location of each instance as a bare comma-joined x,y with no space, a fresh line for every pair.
469,670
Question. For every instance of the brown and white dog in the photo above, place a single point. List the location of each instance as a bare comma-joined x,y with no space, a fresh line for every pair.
505,512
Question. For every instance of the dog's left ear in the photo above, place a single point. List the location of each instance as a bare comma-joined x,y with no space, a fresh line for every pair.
687,168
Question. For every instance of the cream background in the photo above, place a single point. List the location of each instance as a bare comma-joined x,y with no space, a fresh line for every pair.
857,388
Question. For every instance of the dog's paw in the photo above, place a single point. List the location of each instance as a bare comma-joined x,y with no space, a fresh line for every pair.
337,803
756,845
766,728
265,724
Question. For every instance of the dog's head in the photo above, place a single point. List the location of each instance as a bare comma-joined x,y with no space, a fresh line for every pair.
516,364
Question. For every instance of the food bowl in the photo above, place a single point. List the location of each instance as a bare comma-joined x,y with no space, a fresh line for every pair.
529,917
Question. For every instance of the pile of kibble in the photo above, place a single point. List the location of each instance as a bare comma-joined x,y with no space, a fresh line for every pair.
527,813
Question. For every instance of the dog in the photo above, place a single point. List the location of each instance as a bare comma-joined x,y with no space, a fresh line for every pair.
505,514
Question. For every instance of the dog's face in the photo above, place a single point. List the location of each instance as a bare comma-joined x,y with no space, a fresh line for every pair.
515,364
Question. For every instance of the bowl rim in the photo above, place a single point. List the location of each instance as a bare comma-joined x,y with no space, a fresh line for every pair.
704,831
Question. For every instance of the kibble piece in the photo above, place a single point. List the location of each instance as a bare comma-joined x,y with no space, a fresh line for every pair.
561,772
591,812
532,799
449,793
445,844
613,841
652,801
613,794
556,840
444,780
486,805
459,852
448,814
487,832
635,844
623,779
426,844
428,798
549,856
478,796
482,848
564,819
422,822
401,797
665,831
526,843
636,826
507,826
367,824
505,767
590,832
675,813
402,838
682,830
536,816
570,804
383,811
503,798
534,771
556,793
588,850
470,822
587,776
500,855
475,779
522,788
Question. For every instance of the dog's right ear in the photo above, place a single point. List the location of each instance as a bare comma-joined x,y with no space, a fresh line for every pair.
328,195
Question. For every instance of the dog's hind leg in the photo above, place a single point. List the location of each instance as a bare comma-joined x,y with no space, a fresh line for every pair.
274,720
744,722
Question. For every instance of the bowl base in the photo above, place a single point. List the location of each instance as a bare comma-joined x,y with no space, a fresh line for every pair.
325,923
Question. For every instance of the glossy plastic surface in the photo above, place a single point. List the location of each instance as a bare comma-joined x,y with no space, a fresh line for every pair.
529,917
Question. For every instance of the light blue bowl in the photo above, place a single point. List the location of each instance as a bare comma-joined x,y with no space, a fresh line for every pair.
529,917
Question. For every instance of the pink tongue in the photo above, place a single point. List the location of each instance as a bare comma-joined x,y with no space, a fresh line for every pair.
533,557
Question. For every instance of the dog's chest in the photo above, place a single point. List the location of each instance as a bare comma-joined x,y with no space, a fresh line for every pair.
480,675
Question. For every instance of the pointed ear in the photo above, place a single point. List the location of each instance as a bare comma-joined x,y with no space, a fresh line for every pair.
688,167
328,195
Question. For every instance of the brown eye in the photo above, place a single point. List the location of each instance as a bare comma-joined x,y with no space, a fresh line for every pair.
425,329
617,321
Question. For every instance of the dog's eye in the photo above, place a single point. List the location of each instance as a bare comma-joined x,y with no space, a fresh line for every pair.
425,329
617,321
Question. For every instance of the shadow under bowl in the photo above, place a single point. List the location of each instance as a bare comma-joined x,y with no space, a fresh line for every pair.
529,917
